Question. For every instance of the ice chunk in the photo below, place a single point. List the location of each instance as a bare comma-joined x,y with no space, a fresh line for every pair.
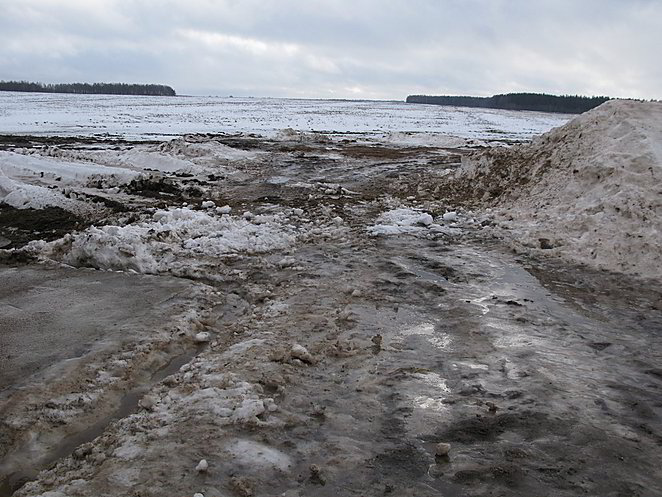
300,352
450,216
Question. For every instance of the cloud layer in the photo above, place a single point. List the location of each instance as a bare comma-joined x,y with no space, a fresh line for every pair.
339,48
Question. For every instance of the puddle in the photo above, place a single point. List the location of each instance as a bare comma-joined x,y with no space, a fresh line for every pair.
278,180
128,405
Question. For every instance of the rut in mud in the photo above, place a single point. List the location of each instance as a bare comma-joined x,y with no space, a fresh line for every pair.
335,365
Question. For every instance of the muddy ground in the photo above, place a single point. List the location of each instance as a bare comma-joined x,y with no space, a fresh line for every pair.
544,378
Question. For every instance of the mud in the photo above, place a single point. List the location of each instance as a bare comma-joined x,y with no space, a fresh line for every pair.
543,377
20,226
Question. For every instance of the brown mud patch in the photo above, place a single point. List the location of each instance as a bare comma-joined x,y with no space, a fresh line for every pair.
21,226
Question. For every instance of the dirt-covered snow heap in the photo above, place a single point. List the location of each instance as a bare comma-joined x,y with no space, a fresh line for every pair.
590,190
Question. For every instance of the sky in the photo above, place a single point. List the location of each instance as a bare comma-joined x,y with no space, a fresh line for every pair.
358,49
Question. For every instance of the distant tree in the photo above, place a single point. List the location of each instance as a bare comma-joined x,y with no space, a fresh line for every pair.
569,104
87,88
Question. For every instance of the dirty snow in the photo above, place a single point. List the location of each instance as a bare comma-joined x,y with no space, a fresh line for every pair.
170,241
589,191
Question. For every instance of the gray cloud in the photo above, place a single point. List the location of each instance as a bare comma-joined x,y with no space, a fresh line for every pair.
339,48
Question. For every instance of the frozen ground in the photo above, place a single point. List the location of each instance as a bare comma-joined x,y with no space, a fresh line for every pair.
344,313
159,117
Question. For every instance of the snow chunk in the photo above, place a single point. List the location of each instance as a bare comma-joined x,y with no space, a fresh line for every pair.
425,219
450,217
249,410
401,221
300,352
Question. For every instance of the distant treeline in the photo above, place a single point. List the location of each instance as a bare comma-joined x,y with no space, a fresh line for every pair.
570,104
87,88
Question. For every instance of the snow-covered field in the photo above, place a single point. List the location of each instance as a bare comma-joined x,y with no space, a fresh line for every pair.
337,308
159,117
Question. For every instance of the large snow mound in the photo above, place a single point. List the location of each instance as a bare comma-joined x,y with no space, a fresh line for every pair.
591,189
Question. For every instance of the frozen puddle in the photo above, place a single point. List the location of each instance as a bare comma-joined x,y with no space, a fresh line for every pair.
50,315
429,333
85,330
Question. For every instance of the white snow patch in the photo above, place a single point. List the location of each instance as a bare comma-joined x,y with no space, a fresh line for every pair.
24,196
140,159
450,217
128,451
402,221
427,330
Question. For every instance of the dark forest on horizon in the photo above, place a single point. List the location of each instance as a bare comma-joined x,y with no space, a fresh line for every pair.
90,89
542,102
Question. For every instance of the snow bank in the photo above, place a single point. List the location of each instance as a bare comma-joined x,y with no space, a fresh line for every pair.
190,154
590,190
194,146
30,181
170,239
427,139
289,134
154,161
24,196
36,168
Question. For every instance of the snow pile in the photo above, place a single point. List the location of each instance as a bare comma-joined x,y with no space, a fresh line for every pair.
402,221
137,158
293,135
24,196
36,168
427,139
171,240
32,181
153,161
194,146
590,190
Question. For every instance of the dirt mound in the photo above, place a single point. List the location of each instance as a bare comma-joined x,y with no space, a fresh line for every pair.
590,190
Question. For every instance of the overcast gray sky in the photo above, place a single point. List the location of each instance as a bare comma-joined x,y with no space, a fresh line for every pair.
383,49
